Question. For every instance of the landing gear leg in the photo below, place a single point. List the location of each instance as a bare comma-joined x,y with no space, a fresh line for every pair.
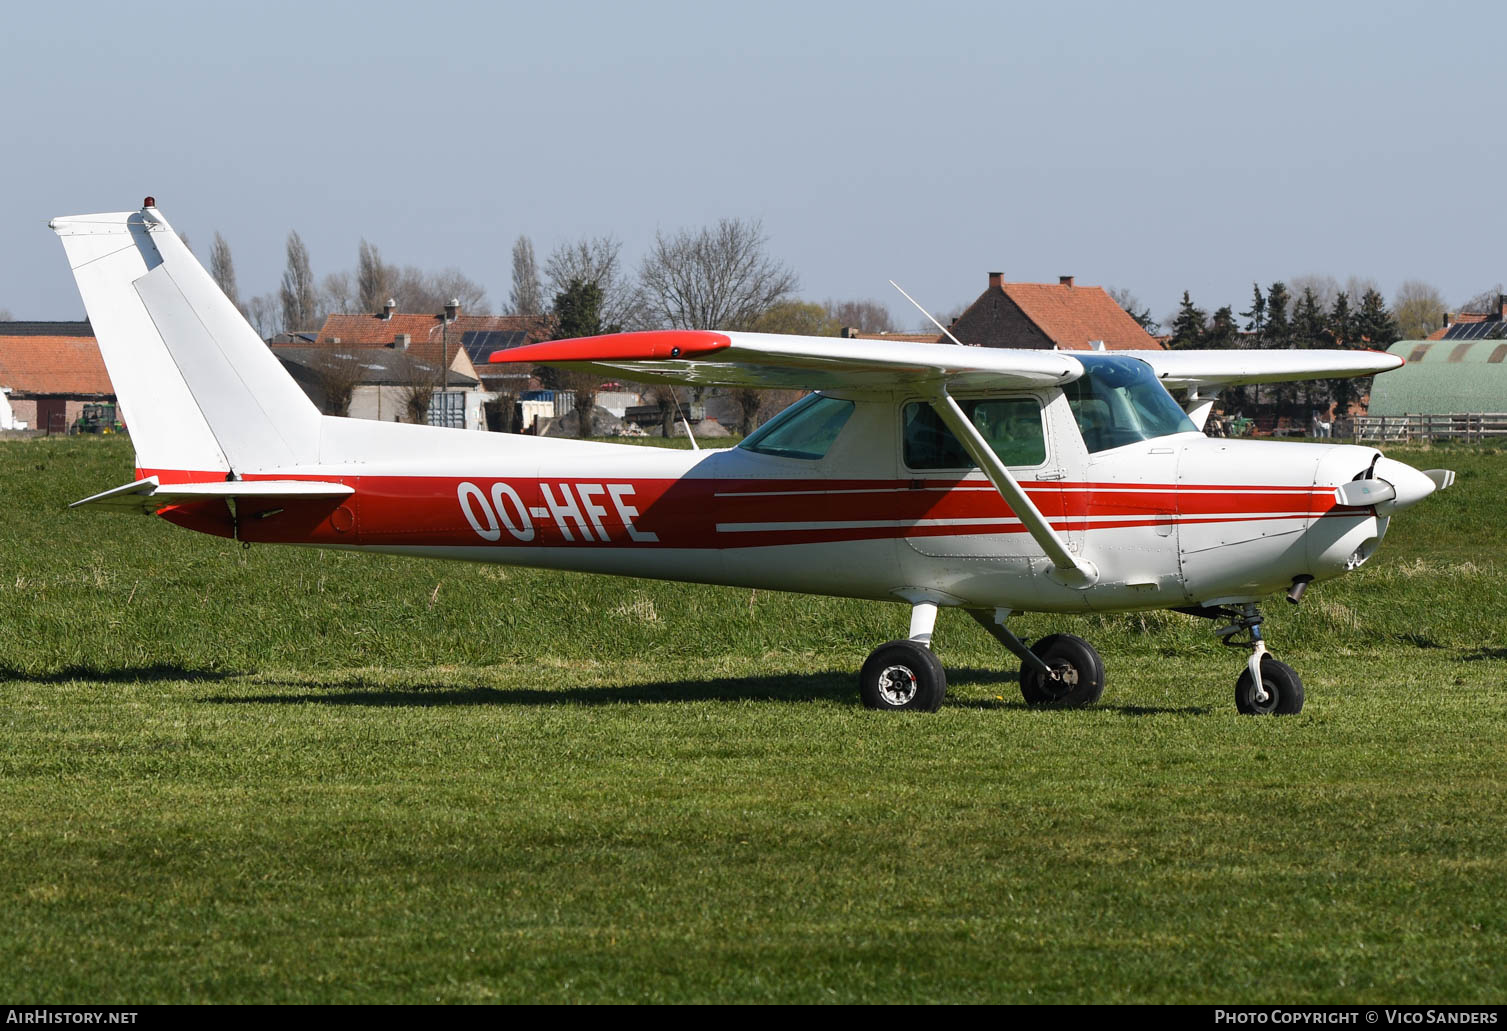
1059,669
906,674
1267,687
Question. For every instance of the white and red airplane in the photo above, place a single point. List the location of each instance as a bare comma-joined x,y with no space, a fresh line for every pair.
937,475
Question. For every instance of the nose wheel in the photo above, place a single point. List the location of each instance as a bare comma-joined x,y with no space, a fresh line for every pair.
1266,687
1281,692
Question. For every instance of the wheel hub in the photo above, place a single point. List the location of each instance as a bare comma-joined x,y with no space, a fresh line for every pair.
897,685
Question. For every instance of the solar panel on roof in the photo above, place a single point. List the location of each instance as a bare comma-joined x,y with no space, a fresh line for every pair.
1476,331
480,344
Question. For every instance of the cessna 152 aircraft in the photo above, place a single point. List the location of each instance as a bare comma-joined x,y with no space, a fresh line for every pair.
937,475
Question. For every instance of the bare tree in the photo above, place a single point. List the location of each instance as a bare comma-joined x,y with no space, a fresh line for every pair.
222,269
298,292
595,262
527,297
337,296
263,313
337,374
1487,300
1419,308
717,278
418,291
373,278
1325,289
1131,304
864,316
6,316
419,381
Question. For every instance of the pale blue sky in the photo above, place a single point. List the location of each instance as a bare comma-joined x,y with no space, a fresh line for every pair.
1153,146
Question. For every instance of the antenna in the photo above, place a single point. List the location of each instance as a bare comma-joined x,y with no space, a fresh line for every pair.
923,311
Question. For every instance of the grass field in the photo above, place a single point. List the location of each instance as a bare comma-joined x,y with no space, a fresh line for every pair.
273,775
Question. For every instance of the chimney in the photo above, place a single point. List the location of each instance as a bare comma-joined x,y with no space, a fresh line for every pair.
1446,320
387,309
1502,306
452,309
401,341
996,281
1065,281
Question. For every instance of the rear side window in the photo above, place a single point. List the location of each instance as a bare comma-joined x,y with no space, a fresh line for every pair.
807,429
1010,426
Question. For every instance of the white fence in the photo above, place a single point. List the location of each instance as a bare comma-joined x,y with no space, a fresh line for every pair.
1471,426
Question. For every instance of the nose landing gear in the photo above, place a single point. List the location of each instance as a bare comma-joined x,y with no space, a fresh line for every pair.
1266,687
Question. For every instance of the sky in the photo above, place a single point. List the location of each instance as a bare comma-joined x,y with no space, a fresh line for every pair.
1153,147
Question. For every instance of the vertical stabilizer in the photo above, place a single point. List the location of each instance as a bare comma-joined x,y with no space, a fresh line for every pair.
199,389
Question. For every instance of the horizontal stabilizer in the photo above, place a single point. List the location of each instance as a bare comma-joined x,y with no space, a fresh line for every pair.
148,495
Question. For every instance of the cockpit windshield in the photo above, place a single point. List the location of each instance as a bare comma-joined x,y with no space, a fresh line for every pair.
1118,401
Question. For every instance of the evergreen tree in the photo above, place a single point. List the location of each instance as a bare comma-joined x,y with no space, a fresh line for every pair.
1278,326
1375,324
1342,322
1222,332
1188,327
1308,323
1309,329
1255,316
578,313
1342,333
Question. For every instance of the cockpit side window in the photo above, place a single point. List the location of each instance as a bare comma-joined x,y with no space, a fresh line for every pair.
1118,401
807,429
1010,425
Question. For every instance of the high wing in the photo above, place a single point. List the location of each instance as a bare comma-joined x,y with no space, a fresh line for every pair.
1217,369
713,359
706,358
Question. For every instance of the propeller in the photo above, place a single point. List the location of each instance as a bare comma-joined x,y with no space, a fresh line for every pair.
1392,485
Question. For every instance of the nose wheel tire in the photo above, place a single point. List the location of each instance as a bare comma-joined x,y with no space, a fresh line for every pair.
903,675
1080,673
1284,690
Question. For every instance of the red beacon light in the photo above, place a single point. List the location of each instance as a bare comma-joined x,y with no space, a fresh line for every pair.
150,202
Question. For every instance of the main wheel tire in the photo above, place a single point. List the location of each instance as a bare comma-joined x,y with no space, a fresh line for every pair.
903,675
1082,670
1284,690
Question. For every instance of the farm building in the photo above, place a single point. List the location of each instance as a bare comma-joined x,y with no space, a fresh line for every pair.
52,369
1443,376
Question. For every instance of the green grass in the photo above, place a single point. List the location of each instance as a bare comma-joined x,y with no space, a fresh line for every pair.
278,775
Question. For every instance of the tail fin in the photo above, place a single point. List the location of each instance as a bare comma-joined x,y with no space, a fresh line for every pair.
200,391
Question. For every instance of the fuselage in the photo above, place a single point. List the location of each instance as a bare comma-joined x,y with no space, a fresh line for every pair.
1170,520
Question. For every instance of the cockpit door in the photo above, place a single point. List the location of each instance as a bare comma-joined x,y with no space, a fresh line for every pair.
956,510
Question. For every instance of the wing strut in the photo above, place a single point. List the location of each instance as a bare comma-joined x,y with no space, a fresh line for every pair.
1069,569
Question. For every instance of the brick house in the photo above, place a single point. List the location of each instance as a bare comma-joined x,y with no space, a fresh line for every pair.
464,342
1046,315
52,370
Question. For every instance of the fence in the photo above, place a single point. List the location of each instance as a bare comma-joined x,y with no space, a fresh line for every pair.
1471,426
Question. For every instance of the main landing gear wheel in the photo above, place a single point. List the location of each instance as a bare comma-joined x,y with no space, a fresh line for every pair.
1281,695
903,675
1079,673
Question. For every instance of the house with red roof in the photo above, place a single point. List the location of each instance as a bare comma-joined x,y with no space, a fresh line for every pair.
51,370
1060,315
1042,316
463,343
